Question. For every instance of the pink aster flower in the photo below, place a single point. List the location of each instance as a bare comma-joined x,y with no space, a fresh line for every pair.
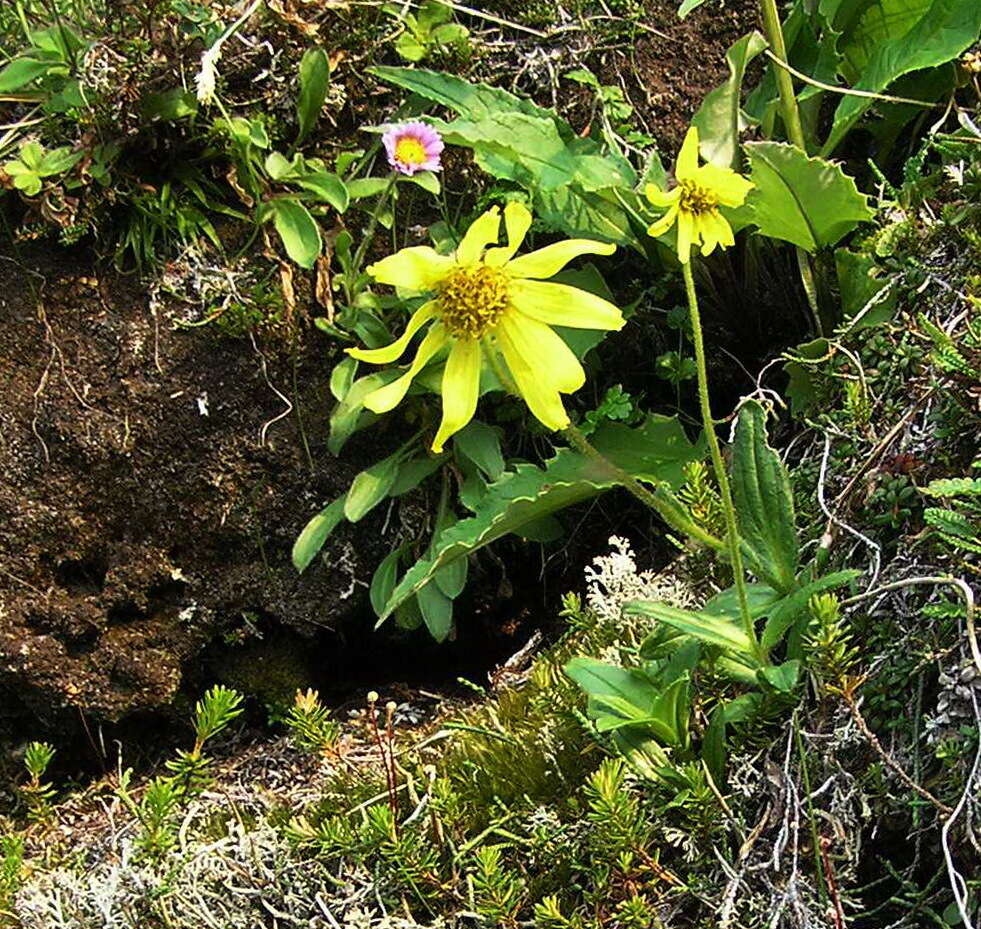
413,147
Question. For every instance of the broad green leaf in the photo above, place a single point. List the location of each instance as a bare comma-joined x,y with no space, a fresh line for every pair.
383,580
298,230
688,6
761,597
328,187
471,101
783,677
804,200
879,21
597,214
719,117
362,187
858,287
370,487
169,105
408,615
784,613
314,81
437,611
414,471
346,416
515,147
940,35
706,627
21,72
714,746
482,445
529,493
342,377
764,501
453,578
599,679
315,533
427,180
656,450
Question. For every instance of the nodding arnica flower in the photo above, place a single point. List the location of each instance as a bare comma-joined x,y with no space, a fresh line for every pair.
413,147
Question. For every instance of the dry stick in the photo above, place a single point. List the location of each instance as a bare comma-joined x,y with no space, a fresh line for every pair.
894,766
846,91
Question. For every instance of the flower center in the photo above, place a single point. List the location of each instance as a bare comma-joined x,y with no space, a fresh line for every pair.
471,301
695,199
410,151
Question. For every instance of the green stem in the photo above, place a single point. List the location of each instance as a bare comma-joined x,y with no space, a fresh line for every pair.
658,500
795,132
732,532
788,99
368,236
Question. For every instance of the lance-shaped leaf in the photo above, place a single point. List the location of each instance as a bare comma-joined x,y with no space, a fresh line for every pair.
764,502
719,118
710,628
807,201
658,451
314,81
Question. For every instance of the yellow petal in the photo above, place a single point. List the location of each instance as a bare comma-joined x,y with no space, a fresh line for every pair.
517,221
483,231
723,229
416,268
554,364
660,197
390,396
543,399
461,382
730,188
706,232
562,305
394,351
548,261
686,233
688,156
664,223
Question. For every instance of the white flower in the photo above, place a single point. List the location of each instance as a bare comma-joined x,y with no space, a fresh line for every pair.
207,77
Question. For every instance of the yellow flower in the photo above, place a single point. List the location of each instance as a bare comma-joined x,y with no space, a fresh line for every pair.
486,301
694,203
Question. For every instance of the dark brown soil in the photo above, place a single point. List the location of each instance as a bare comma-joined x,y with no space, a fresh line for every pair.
134,526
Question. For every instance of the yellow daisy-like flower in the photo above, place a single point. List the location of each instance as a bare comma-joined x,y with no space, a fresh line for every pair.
694,203
485,300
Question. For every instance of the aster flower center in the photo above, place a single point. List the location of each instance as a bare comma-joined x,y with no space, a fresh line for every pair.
472,300
410,151
696,199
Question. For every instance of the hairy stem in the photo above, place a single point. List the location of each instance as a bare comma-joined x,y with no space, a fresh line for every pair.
721,476
659,501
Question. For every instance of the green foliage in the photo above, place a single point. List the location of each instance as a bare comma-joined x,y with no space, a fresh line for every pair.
944,30
428,32
575,184
497,893
36,794
958,524
160,804
310,725
829,643
11,868
807,201
764,502
720,118
655,452
314,81
33,165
